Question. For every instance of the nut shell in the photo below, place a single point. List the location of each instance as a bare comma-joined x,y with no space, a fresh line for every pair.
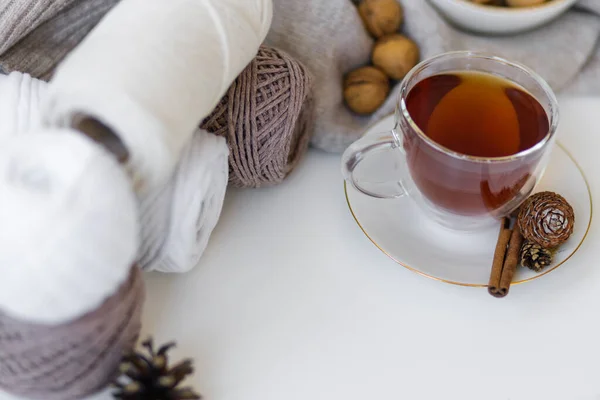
546,219
365,89
395,55
381,17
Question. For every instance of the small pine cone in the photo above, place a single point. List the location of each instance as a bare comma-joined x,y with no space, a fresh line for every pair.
546,219
534,256
150,377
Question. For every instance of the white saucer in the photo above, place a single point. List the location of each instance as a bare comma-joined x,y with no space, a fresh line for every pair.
399,229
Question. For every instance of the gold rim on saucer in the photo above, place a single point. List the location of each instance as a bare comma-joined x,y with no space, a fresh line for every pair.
477,284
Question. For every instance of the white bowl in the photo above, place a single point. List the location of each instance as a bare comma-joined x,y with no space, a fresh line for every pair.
500,20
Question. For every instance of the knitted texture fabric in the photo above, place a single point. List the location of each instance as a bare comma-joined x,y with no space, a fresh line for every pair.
266,117
35,36
72,360
18,18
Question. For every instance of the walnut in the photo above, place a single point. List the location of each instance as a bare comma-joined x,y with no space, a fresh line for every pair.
365,89
381,17
396,55
524,3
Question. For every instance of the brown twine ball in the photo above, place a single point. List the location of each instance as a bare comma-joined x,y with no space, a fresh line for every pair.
73,360
267,118
546,219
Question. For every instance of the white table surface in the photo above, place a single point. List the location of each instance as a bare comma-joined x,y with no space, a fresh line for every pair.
292,302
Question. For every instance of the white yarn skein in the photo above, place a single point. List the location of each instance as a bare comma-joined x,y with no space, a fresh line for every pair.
152,70
178,219
68,226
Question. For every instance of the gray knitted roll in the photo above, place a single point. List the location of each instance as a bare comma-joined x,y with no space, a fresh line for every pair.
76,359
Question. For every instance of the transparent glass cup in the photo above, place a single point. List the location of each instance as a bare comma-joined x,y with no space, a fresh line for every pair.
456,190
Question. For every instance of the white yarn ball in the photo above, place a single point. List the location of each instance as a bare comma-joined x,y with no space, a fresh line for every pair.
68,226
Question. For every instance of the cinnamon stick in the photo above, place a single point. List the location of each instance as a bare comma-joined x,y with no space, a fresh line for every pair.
499,256
512,260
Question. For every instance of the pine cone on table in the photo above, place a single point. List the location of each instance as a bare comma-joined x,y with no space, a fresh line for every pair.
535,257
546,219
151,378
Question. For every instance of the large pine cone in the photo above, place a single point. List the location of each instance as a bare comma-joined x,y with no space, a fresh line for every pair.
546,219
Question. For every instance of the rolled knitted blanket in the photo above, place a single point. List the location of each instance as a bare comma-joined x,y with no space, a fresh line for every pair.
187,53
176,219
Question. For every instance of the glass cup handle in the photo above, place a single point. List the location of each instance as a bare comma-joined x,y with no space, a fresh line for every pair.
369,146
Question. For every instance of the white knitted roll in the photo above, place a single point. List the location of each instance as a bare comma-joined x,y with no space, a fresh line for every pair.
152,70
178,219
68,226
20,96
